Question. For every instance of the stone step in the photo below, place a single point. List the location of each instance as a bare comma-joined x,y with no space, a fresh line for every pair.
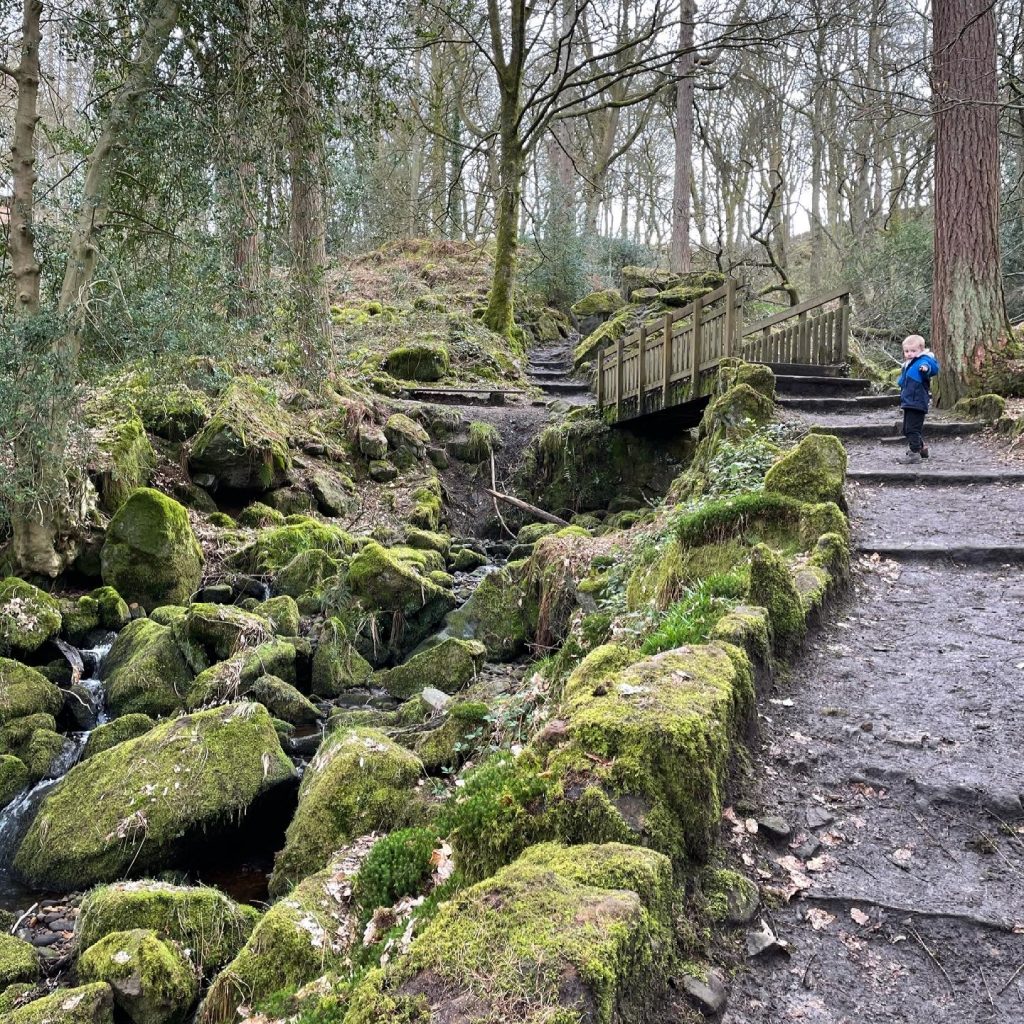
820,386
971,554
552,373
933,474
809,370
565,388
856,404
891,431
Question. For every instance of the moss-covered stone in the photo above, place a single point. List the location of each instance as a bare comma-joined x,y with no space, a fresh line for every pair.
259,515
28,616
290,501
196,918
750,629
605,333
425,540
449,665
229,680
145,671
121,457
772,588
482,440
173,413
13,778
599,303
134,807
15,735
428,512
560,935
79,618
151,554
814,471
210,633
18,961
25,692
127,727
306,573
337,665
168,614
359,781
467,560
40,753
153,980
113,609
690,287
403,432
243,445
283,701
418,362
282,613
275,548
981,407
86,1004
499,614
450,743
730,898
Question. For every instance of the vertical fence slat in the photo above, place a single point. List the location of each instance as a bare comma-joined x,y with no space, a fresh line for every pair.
641,369
696,345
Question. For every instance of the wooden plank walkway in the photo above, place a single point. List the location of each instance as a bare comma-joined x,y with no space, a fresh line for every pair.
668,364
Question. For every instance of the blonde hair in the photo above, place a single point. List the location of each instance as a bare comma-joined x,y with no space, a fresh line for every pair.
916,340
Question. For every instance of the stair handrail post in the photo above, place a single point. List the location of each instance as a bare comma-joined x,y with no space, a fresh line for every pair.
618,378
730,317
844,327
600,379
641,371
803,339
696,336
666,375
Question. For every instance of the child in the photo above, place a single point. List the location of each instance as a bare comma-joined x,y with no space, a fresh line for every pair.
915,379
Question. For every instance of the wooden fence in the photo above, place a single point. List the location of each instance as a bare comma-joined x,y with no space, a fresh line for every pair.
660,366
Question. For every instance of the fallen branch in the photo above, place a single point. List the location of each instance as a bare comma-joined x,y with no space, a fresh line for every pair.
953,915
494,486
538,513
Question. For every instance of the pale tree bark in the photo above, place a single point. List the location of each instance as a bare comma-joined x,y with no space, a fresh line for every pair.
968,312
680,259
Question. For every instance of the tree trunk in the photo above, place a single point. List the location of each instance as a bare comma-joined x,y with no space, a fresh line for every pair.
679,251
968,313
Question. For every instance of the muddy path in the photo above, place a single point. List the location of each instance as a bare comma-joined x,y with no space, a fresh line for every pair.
893,748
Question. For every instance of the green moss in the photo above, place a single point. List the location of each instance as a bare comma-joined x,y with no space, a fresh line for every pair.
40,752
425,540
423,560
731,372
532,532
358,782
814,471
15,735
153,981
24,692
79,617
86,1004
283,701
451,743
747,517
418,362
13,779
599,303
981,407
499,614
231,679
130,807
466,560
151,554
127,727
748,628
428,511
306,574
174,414
259,515
449,665
201,919
276,547
772,588
816,520
615,327
482,441
18,961
282,613
121,458
113,609
729,896
145,671
832,553
397,866
28,616
211,633
337,665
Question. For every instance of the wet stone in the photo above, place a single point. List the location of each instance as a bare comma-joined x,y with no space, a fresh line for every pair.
708,992
775,827
818,817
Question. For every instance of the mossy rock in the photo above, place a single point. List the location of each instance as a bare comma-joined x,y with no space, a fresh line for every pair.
425,540
981,407
197,918
13,779
772,588
40,754
403,432
175,414
483,440
243,445
499,614
276,547
683,294
259,515
290,501
750,629
168,614
28,616
650,744
15,735
19,961
121,458
211,633
814,471
79,618
468,560
153,981
113,609
607,333
145,671
428,512
532,532
306,573
741,409
151,554
283,701
229,680
86,1004
449,744
599,303
337,665
656,279
334,493
418,362
449,665
282,613
25,692
566,935
730,898
306,935
135,807
127,727
360,781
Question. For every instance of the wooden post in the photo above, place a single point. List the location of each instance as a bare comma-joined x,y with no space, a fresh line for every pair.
730,317
618,378
666,370
600,379
844,328
695,346
641,370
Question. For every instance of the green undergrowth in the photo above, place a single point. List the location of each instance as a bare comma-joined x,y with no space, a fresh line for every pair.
692,618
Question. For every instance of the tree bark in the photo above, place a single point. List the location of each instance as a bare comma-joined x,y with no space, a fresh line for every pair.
968,313
679,249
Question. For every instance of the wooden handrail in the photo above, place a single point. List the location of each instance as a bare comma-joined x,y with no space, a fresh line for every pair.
804,307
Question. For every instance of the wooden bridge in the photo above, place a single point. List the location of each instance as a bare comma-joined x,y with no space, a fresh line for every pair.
667,366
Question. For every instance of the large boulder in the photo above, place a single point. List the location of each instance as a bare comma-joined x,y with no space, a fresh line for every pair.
140,805
146,672
87,1004
151,554
28,616
276,547
498,614
418,362
121,456
25,692
229,680
449,666
211,633
243,446
360,781
198,918
814,471
337,665
108,735
153,981
19,961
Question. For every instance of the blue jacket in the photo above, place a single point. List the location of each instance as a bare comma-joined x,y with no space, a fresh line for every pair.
915,380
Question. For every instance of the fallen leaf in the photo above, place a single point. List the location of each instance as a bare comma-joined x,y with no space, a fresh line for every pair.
822,863
795,869
819,919
901,857
859,916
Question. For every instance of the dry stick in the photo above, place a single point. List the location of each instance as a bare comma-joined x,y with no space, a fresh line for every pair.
988,991
35,905
539,513
497,511
1012,978
952,915
935,959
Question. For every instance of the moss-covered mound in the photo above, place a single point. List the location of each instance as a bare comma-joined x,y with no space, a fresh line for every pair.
25,692
210,633
150,554
87,1004
600,303
153,981
243,445
121,457
127,727
418,362
146,672
134,807
19,961
449,665
197,918
283,701
229,680
772,588
450,743
499,614
13,778
28,616
360,781
981,407
571,935
337,665
814,471
275,548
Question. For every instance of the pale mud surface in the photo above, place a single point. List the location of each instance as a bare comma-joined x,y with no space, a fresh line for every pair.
894,747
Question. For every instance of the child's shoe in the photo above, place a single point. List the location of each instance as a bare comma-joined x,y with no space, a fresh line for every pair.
924,452
911,458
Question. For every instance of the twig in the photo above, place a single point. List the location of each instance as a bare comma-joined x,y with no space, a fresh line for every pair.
1011,979
934,958
988,991
31,909
952,915
539,513
497,510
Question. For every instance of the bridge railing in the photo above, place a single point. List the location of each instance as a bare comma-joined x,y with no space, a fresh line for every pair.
659,365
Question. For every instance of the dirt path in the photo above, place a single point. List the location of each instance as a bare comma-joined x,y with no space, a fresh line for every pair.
894,749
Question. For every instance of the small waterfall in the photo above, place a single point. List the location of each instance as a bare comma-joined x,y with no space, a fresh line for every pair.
93,658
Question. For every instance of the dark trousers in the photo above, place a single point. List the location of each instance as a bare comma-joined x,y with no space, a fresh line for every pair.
913,426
